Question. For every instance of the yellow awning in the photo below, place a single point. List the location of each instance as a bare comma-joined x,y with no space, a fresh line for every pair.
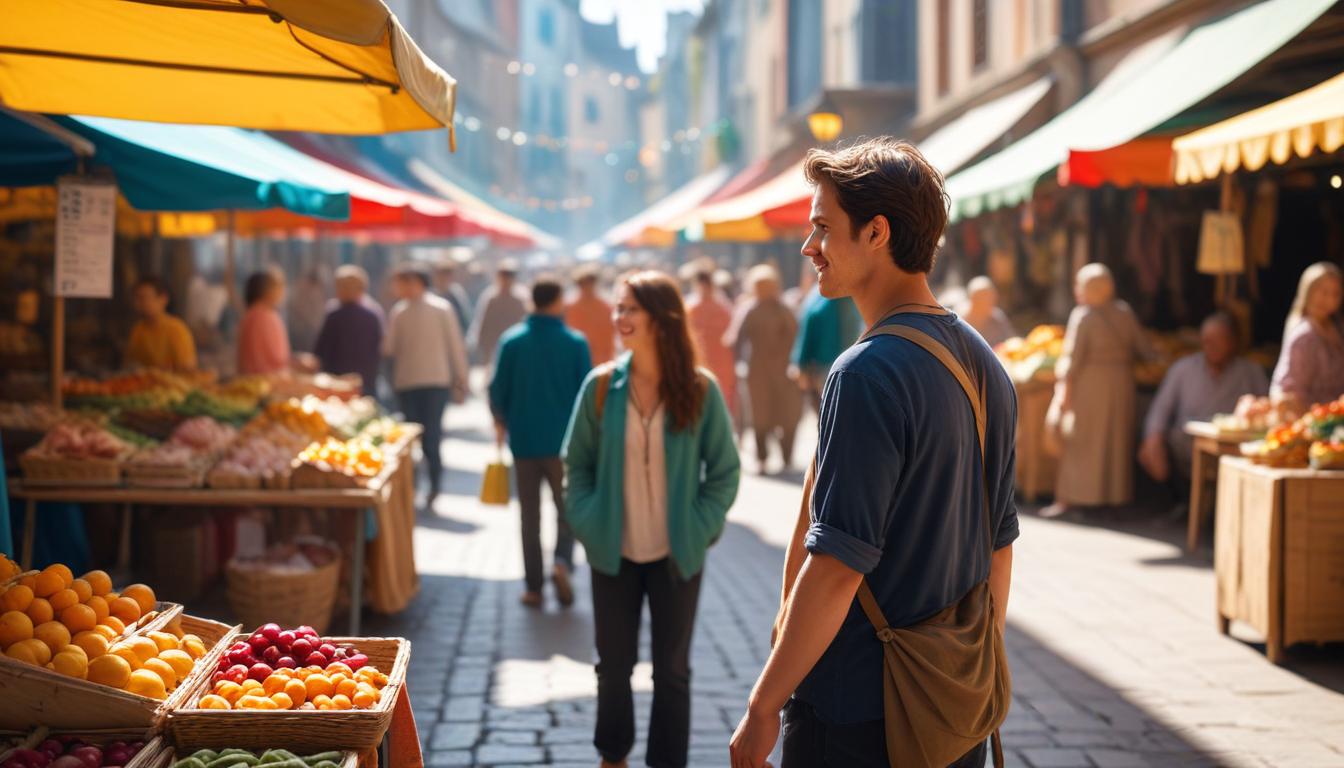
1293,127
334,66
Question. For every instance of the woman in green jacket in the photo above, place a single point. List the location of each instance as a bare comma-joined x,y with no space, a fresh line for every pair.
652,472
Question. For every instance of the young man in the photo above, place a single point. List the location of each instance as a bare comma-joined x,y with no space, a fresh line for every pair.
538,372
590,315
899,498
501,306
351,337
158,340
429,361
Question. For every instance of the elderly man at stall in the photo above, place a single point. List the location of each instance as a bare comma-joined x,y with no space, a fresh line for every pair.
981,310
1196,388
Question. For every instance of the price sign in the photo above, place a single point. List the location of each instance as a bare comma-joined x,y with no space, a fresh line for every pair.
85,225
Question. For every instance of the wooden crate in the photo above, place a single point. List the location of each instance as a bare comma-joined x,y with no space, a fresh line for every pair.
35,696
1036,467
300,731
147,757
1279,553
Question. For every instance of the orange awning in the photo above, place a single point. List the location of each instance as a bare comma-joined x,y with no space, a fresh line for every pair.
1143,162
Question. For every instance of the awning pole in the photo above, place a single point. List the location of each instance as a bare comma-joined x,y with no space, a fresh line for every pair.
230,262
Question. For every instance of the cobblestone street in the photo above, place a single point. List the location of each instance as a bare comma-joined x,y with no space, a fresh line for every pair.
1115,654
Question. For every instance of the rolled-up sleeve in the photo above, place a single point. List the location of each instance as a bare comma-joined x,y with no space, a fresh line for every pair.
858,465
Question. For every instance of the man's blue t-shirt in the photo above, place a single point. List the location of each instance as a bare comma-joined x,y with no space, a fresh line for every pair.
899,496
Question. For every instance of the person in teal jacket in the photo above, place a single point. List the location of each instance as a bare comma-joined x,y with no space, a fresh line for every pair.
539,368
653,469
827,327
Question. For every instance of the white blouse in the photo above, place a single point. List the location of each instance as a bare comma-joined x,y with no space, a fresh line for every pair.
644,538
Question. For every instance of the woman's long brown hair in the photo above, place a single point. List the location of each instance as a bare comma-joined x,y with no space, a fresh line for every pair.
680,387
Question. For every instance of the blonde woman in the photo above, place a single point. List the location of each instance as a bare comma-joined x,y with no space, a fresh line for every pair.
1311,364
763,332
1093,408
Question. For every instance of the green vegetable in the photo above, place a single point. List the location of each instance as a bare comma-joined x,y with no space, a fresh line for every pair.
190,762
205,755
233,757
323,757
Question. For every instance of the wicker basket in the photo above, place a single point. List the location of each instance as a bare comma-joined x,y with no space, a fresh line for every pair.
166,755
287,597
141,475
232,482
46,470
300,731
32,696
147,757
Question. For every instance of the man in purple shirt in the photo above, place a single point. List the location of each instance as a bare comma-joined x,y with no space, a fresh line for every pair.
352,334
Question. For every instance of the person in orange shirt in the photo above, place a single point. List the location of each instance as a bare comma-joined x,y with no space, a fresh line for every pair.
710,316
590,315
263,342
158,340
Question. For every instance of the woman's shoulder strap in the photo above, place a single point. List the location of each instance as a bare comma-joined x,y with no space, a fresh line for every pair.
603,383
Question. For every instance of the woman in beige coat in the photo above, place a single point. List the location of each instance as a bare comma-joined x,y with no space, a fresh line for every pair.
1093,409
763,331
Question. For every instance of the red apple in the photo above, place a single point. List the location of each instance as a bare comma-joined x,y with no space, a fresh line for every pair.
270,654
301,648
286,639
260,672
287,662
242,656
236,674
327,649
316,659
258,642
270,631
356,660
306,631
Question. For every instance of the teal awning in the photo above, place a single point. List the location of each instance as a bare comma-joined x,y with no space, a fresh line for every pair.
164,167
1154,84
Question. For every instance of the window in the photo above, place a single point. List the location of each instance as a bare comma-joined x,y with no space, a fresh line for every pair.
546,26
979,33
944,37
590,112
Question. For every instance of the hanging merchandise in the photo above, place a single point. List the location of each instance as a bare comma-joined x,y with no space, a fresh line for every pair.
1144,246
1221,248
1262,220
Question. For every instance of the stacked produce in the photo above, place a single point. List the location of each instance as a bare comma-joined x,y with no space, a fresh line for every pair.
71,752
80,440
1255,414
144,389
293,669
1034,356
155,423
240,758
8,569
1316,439
356,458
298,416
183,460
260,455
234,409
31,417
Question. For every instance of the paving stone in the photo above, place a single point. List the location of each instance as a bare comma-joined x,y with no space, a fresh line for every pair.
1056,758
454,759
464,709
501,754
455,736
1117,758
522,738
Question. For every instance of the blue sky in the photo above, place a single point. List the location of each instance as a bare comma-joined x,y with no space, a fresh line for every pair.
641,23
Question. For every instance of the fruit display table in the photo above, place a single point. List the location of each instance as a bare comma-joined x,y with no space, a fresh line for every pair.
1279,552
389,499
1210,443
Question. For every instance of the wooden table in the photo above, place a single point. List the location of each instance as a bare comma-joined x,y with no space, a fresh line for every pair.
392,486
1279,553
1210,443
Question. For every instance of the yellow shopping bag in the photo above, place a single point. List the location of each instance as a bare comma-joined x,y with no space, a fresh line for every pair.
495,482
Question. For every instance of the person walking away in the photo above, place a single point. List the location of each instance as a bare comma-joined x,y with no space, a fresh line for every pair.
1310,370
911,501
1093,407
447,286
158,339
763,334
827,328
1196,388
590,315
429,362
263,342
710,316
501,306
981,310
652,472
351,337
538,371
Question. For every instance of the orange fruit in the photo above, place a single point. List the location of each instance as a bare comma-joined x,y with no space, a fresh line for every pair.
83,589
70,664
22,651
347,688
297,691
319,685
94,644
249,702
125,608
282,700
341,701
79,618
229,690
99,607
145,648
63,599
54,634
99,581
109,669
273,684
164,670
116,624
163,640
148,683
16,598
211,701
48,583
40,611
67,576
251,686
14,626
322,702
339,667
364,700
75,649
127,653
194,646
109,634
30,582
39,649
179,661
142,594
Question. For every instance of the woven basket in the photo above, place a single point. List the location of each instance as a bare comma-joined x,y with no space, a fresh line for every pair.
289,598
33,696
167,755
45,470
147,757
299,731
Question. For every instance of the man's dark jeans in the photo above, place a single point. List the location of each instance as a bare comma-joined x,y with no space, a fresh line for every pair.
810,743
617,604
530,474
425,406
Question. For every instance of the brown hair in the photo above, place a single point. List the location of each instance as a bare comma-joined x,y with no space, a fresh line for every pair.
680,388
887,177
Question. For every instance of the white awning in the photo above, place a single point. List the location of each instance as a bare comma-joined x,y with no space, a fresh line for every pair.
954,144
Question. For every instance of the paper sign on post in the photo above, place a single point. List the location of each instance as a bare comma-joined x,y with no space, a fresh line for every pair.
85,226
